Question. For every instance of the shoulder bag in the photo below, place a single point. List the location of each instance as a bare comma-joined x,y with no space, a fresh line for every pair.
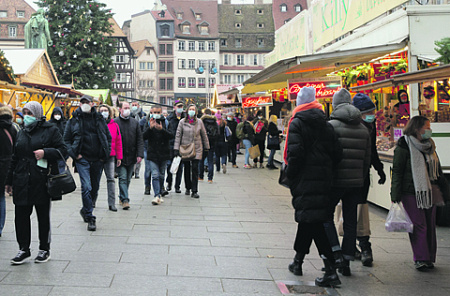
60,184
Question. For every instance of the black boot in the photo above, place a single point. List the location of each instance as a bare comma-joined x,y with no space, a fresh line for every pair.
345,270
330,278
296,266
338,259
367,258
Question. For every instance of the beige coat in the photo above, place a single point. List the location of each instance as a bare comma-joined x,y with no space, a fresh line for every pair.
186,132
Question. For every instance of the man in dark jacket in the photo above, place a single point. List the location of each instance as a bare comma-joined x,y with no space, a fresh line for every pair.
133,151
138,114
349,176
88,142
261,127
158,152
60,122
232,124
174,119
212,131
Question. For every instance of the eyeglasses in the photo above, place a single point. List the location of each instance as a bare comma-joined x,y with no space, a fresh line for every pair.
26,112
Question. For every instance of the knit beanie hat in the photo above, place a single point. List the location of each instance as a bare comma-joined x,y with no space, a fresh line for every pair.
341,97
20,114
306,95
218,115
35,108
363,103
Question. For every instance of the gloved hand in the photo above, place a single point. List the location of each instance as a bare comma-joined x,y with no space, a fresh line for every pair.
382,175
176,153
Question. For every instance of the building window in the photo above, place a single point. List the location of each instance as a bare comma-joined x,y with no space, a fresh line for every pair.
212,82
169,49
179,15
201,64
240,78
260,26
240,59
297,8
165,31
181,63
226,59
141,65
20,13
3,13
260,42
118,77
169,83
162,49
283,7
191,82
237,25
150,65
201,45
227,79
119,58
186,29
150,83
204,30
181,46
223,42
170,67
191,64
255,59
191,45
149,51
211,46
260,11
181,82
162,100
162,83
198,16
201,82
238,12
162,67
238,42
141,83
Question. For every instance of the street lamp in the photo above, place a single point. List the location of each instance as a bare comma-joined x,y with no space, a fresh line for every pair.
211,69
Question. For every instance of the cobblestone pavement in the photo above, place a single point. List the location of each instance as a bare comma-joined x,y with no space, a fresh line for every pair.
235,240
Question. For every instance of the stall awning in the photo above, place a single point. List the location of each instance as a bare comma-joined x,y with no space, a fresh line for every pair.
54,88
321,64
265,87
436,73
19,88
233,91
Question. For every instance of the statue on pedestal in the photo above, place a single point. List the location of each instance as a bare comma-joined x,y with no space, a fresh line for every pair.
37,34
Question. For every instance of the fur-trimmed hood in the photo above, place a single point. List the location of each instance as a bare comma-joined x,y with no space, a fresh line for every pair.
5,110
207,116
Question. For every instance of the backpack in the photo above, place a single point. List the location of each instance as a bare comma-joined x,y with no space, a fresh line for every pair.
240,131
212,131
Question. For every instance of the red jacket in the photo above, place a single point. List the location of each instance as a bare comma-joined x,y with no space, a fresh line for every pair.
116,142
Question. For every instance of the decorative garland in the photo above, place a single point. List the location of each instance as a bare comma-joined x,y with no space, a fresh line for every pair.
7,67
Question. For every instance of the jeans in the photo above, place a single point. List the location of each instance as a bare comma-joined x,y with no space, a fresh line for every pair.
109,169
124,172
61,165
2,208
232,152
221,154
349,197
22,222
90,173
306,233
201,165
262,147
178,176
158,169
148,171
271,155
191,175
247,145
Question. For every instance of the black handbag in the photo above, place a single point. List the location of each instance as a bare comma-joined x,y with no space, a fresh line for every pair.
283,179
62,183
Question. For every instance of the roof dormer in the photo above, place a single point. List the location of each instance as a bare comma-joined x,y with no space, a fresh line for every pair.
203,28
185,27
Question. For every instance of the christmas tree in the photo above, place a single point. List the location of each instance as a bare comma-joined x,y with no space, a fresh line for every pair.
82,48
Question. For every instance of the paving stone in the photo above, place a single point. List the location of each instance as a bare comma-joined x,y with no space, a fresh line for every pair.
250,286
116,291
57,279
220,251
25,290
105,268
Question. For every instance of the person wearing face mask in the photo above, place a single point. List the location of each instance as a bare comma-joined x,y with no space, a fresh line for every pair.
133,151
144,124
367,108
88,142
419,183
37,148
158,135
115,157
59,121
191,130
174,119
138,114
232,124
261,127
19,120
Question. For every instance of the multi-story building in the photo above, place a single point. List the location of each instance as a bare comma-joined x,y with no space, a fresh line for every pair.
246,35
196,49
145,71
14,14
285,10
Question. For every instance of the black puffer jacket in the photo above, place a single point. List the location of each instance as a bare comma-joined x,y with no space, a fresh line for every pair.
6,147
158,142
249,132
132,141
212,128
313,150
261,136
75,136
232,124
29,181
355,140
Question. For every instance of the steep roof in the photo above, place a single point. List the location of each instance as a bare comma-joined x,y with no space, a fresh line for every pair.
117,31
248,18
140,46
11,6
207,11
167,15
280,17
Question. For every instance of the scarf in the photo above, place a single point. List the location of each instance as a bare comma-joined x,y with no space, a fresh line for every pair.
191,120
421,152
313,105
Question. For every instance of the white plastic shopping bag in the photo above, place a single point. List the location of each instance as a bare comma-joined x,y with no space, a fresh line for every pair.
398,220
175,164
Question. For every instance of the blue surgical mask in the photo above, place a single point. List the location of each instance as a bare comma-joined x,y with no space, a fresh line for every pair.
134,108
27,119
156,116
427,134
369,118
180,110
229,118
191,113
19,120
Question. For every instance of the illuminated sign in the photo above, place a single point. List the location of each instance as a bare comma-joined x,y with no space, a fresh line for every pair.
252,102
325,87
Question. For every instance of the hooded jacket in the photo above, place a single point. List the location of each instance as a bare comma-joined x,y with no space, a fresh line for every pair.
158,142
116,139
212,128
355,140
313,150
60,124
7,130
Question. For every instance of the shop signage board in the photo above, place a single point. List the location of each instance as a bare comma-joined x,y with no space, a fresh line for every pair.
253,102
224,87
332,19
325,87
290,40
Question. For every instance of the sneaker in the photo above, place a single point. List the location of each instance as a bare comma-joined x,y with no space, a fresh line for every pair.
156,201
137,177
261,166
235,166
21,257
210,181
91,225
255,165
125,205
195,195
147,190
188,192
43,256
430,265
224,168
83,215
247,166
200,179
177,190
420,265
164,193
161,200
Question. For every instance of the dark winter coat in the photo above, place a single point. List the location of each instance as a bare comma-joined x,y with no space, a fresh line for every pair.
402,182
28,180
274,132
355,140
249,132
212,128
312,153
60,124
6,147
374,157
158,142
173,125
232,124
221,137
261,136
86,133
132,141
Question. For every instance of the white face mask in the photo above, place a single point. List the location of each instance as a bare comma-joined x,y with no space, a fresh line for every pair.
105,114
57,117
259,117
156,116
126,113
86,108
